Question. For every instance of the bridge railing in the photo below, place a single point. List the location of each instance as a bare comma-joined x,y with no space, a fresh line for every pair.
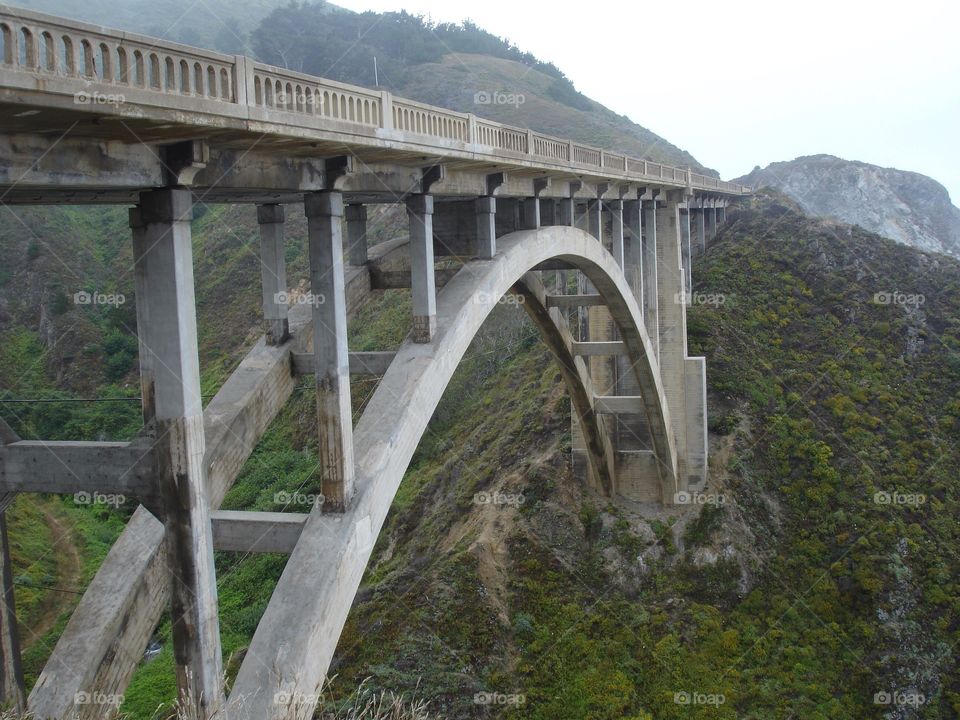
51,46
99,58
274,88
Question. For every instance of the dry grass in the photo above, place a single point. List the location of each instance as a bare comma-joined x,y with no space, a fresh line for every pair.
363,704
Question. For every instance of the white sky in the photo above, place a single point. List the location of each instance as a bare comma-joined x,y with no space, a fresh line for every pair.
749,82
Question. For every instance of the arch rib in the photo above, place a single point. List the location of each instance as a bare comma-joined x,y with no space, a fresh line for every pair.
293,646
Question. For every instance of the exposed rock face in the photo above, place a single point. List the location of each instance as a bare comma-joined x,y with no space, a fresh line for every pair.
908,207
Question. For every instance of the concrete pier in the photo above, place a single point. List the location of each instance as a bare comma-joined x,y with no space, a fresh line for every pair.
530,213
324,211
486,243
711,220
672,329
357,234
273,273
651,298
616,230
170,338
633,248
686,250
699,231
423,285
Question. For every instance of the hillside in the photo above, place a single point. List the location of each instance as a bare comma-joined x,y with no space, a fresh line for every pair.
908,207
458,80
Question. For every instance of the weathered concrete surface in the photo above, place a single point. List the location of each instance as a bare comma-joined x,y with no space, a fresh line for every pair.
256,532
422,281
324,211
298,634
273,273
170,338
68,467
116,616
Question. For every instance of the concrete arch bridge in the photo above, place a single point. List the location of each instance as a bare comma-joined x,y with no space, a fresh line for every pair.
598,244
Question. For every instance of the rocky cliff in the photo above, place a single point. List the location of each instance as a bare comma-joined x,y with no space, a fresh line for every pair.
908,207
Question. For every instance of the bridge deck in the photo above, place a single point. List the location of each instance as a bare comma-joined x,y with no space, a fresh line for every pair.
65,79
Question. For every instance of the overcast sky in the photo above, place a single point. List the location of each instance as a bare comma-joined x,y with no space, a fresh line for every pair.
749,82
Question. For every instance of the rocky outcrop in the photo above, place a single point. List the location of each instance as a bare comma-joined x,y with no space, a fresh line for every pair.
908,207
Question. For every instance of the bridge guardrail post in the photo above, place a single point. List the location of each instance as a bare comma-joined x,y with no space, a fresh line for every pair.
244,89
386,110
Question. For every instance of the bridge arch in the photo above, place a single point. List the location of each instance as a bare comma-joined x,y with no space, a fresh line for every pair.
295,641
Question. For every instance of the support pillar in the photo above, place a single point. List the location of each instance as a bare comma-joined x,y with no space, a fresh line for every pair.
530,213
686,251
721,214
633,249
273,273
711,213
616,234
595,219
357,234
324,211
651,314
599,323
683,378
139,234
568,213
698,216
422,281
169,335
549,212
486,208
